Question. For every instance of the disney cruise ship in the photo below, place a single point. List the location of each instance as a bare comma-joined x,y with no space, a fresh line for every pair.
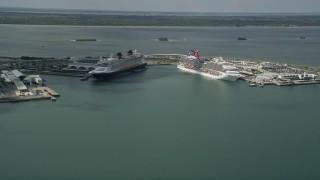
119,65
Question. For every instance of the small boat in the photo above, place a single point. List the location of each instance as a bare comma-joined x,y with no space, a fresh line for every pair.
261,85
252,84
83,79
53,99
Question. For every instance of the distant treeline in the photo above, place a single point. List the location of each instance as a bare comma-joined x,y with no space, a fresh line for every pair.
157,20
34,58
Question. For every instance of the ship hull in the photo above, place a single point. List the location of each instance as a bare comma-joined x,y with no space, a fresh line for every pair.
109,75
223,76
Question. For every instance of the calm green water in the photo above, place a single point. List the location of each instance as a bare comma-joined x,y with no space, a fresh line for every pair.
275,44
161,124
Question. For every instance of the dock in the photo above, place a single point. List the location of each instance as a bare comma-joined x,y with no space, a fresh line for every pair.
49,91
17,87
301,82
40,93
23,98
285,83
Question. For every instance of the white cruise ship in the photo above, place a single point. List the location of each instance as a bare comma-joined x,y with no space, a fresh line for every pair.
217,69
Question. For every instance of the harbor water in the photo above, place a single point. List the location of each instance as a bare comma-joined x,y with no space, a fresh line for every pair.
163,123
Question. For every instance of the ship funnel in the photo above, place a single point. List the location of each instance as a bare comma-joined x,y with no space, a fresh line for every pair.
119,55
130,52
196,54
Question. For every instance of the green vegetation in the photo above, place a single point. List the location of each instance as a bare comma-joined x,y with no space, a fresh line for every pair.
159,20
35,58
242,38
85,40
163,39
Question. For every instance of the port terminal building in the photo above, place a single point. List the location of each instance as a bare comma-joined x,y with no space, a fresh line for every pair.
17,80
83,64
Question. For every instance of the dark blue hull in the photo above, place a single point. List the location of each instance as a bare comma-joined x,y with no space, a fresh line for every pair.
101,76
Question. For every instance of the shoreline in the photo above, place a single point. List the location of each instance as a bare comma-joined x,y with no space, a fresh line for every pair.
125,19
255,72
160,26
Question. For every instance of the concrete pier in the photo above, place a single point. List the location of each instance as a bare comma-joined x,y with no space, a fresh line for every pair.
301,82
285,83
49,91
23,98
16,87
42,92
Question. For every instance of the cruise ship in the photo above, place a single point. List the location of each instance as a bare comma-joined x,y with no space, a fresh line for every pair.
119,65
216,69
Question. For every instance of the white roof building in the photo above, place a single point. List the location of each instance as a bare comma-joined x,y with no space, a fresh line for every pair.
20,86
18,74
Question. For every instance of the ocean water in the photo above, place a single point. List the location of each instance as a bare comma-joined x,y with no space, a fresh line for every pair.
162,123
264,43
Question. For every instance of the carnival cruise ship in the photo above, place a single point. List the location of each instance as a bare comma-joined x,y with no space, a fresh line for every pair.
217,69
119,65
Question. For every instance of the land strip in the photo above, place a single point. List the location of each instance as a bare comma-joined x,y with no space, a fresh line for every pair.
87,19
